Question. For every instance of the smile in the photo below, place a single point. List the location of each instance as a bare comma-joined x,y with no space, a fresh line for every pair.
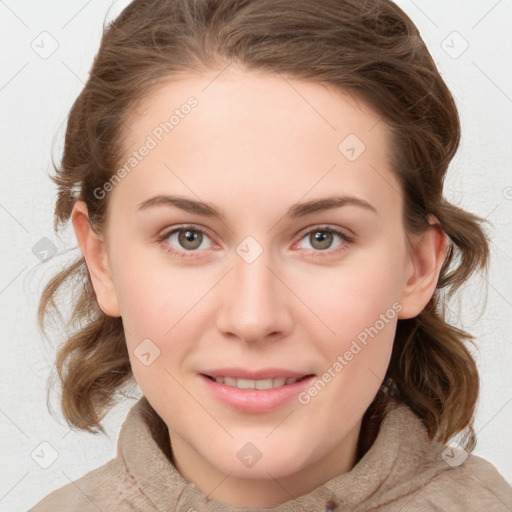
255,384
255,393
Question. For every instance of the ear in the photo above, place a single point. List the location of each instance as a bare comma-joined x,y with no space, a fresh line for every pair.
427,254
95,253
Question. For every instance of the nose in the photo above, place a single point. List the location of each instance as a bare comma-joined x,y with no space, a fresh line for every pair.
254,301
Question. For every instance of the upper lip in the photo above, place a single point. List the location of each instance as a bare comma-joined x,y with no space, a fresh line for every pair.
264,373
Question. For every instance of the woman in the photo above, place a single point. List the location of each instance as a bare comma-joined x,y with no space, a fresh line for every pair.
256,190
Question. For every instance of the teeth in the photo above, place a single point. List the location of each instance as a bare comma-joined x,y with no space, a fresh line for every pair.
230,381
277,383
265,383
255,384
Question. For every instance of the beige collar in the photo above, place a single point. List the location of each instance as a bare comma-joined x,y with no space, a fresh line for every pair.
401,458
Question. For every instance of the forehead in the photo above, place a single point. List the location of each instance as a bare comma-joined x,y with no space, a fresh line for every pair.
261,103
257,134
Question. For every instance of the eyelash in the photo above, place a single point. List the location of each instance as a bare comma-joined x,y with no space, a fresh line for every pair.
346,240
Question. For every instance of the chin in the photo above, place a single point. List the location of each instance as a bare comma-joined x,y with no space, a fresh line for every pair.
259,461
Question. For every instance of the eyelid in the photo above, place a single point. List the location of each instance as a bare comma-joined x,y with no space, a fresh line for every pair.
166,233
343,232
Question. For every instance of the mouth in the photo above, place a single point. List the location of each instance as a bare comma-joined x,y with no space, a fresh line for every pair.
255,391
261,384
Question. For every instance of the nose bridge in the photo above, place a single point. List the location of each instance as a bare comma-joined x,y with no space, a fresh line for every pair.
255,305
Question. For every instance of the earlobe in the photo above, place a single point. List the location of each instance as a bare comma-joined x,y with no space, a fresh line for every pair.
95,253
428,252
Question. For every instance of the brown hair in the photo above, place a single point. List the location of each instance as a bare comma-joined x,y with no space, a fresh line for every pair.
370,49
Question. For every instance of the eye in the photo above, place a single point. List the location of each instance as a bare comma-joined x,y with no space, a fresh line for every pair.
185,239
320,239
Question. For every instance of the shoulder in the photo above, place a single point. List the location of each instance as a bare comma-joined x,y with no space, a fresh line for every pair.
109,487
426,475
468,484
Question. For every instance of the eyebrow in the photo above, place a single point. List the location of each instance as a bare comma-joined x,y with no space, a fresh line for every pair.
297,210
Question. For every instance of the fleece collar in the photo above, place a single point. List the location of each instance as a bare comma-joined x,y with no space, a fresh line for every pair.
401,459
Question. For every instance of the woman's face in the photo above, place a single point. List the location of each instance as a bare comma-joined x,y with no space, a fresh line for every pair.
257,239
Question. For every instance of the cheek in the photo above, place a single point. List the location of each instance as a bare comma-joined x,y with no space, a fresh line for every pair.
356,355
159,305
154,296
353,297
364,329
360,307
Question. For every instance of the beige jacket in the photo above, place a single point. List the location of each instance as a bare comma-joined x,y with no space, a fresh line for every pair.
402,471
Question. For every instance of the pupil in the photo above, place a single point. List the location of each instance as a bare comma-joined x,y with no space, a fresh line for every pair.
189,237
324,238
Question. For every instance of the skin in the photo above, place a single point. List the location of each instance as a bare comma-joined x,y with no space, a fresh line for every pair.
255,145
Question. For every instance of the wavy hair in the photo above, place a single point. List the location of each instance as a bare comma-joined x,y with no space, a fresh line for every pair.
373,51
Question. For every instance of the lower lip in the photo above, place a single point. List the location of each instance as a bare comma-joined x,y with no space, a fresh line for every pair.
256,400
